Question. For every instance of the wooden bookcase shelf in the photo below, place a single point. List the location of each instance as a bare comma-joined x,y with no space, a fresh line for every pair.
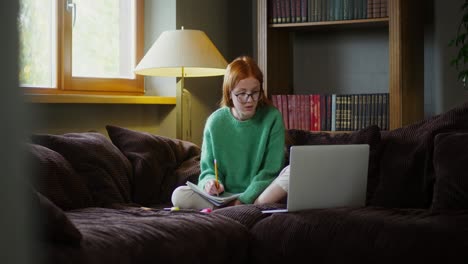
404,25
353,23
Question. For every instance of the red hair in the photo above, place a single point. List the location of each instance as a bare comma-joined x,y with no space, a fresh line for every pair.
241,68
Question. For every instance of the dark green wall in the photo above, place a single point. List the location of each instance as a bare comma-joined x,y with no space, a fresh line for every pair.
229,25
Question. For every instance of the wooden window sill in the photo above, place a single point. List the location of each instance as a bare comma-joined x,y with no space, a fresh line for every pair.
99,99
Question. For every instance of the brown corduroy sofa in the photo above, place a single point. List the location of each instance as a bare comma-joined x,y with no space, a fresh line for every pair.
417,202
90,189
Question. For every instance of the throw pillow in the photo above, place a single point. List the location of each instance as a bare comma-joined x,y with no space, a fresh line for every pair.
406,176
450,166
54,225
369,135
160,164
54,177
104,168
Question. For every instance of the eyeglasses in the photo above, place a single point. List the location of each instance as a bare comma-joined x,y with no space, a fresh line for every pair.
244,97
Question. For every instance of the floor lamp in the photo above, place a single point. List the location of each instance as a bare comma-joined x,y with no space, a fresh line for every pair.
182,53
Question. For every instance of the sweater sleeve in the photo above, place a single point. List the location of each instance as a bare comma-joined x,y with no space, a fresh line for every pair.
273,161
207,158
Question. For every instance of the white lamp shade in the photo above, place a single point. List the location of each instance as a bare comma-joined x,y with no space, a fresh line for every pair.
190,50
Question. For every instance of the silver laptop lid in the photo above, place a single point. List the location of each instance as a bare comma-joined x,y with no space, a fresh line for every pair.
326,176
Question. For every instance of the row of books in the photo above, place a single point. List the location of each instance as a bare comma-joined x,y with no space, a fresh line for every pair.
333,112
298,11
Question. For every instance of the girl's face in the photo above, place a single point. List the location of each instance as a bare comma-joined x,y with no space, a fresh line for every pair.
245,97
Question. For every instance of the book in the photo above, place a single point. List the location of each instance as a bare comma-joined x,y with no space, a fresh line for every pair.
283,11
304,10
292,4
284,107
291,105
347,9
271,12
312,114
339,110
376,9
357,9
305,111
297,5
329,112
323,113
279,18
383,8
311,11
287,11
331,10
370,8
338,9
223,198
319,11
333,113
318,121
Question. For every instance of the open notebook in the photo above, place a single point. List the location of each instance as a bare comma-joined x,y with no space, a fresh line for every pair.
223,199
326,176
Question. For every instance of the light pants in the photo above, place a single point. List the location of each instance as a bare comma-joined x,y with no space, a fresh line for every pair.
185,198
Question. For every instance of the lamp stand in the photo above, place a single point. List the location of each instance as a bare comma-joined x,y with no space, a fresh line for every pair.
183,111
179,108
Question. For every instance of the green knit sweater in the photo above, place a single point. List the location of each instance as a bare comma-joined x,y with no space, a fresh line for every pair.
249,154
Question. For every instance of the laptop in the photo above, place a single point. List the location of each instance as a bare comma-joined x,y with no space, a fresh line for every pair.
327,176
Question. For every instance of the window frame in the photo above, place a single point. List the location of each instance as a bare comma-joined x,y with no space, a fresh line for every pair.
67,84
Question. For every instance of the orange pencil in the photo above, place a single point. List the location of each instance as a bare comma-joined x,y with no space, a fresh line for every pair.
216,175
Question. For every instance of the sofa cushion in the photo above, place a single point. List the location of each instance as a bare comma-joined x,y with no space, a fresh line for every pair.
105,170
406,167
160,164
361,235
369,135
451,166
55,178
54,225
134,236
247,214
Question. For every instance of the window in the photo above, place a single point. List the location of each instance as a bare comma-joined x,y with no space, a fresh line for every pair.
80,46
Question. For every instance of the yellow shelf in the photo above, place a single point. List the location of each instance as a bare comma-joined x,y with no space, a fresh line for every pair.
99,99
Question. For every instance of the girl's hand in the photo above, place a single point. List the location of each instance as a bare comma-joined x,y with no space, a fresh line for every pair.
210,187
235,202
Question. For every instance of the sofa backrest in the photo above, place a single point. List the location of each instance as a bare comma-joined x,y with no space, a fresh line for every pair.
77,170
160,164
406,169
98,164
401,165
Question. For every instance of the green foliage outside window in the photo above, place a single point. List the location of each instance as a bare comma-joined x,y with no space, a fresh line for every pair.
102,41
35,34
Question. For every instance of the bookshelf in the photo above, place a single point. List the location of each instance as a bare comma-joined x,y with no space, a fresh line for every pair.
404,33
